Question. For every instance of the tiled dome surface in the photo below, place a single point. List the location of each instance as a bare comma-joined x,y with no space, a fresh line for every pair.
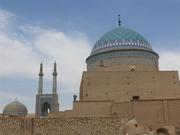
120,38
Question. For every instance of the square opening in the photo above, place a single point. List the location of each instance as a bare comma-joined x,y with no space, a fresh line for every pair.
135,97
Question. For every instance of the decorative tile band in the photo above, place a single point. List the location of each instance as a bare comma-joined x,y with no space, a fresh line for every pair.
125,53
120,44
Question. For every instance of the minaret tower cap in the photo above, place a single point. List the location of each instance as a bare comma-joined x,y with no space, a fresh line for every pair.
55,70
41,70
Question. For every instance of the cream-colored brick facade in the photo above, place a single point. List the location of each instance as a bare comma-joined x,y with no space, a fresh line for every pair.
125,82
152,97
121,86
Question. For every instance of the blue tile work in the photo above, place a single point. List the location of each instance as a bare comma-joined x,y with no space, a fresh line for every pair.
120,38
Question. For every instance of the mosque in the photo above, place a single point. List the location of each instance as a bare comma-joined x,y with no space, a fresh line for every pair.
122,80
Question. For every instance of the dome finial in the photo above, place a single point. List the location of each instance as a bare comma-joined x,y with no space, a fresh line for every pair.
119,20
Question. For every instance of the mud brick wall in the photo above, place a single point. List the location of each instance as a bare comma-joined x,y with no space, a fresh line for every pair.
61,126
75,126
78,126
13,126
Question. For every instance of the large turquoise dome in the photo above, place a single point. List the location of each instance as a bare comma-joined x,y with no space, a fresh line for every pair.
120,38
121,49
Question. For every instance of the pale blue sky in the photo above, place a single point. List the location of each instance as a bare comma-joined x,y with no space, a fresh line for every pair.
154,17
157,20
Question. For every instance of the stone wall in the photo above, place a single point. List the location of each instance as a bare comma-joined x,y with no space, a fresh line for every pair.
15,126
77,126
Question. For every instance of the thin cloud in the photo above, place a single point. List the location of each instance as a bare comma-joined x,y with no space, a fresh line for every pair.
5,19
169,60
169,57
22,57
13,96
22,52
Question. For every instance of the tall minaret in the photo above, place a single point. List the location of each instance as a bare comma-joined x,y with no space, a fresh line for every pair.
54,87
40,89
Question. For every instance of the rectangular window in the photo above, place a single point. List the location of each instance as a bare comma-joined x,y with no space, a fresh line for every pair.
135,97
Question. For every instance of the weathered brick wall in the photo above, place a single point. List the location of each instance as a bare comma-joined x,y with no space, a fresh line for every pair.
61,126
13,126
78,126
75,126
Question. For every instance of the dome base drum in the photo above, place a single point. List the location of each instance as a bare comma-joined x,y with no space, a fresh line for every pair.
120,48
